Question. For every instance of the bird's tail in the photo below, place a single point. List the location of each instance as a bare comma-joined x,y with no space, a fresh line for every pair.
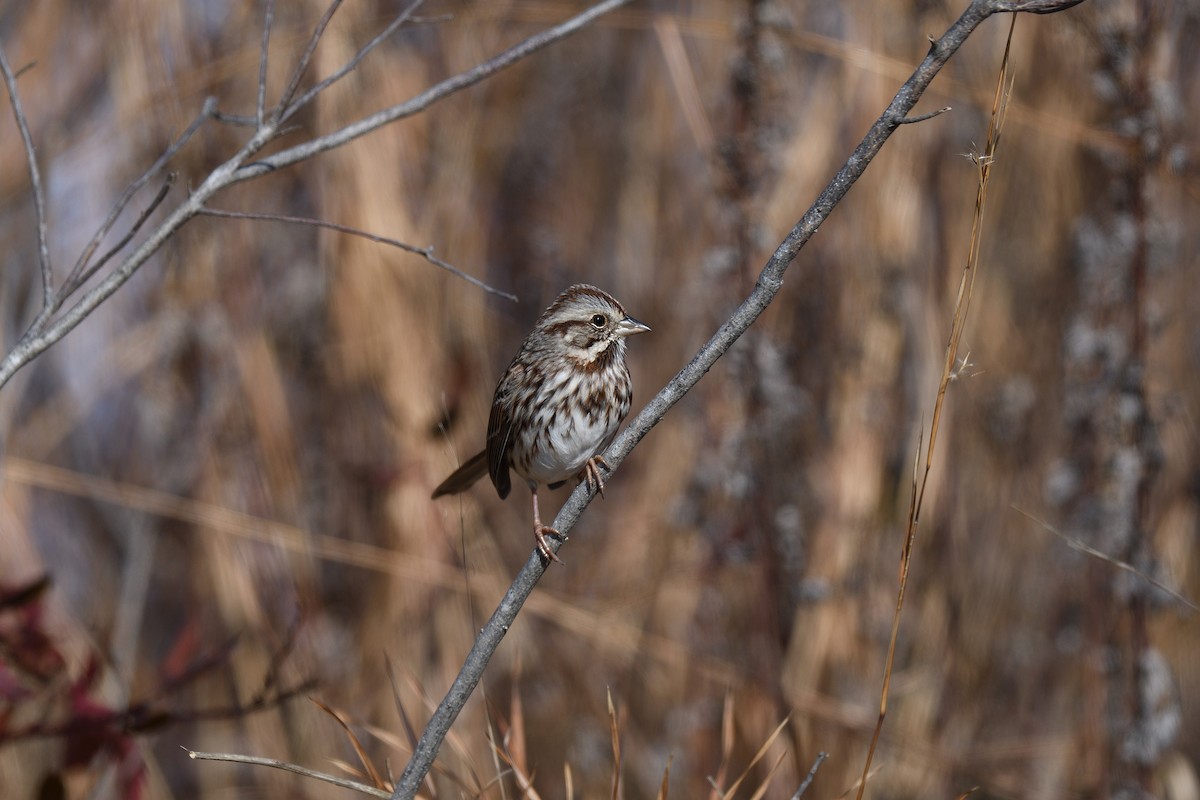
462,478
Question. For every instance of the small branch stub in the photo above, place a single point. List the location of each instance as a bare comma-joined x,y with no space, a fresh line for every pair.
923,117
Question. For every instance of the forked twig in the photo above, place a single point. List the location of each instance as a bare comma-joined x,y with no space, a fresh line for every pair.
302,65
424,252
74,280
285,112
431,95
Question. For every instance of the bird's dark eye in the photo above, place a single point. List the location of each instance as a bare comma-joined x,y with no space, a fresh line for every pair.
598,320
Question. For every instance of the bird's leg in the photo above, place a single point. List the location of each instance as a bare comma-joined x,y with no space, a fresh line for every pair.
591,474
540,531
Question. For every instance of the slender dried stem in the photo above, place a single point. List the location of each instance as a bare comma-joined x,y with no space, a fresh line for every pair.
286,766
1125,566
424,252
957,326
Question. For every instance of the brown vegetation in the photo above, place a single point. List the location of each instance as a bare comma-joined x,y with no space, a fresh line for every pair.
242,442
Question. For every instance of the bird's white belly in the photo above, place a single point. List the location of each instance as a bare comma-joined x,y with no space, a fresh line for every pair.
569,442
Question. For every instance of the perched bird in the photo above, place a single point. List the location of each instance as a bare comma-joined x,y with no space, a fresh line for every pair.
559,403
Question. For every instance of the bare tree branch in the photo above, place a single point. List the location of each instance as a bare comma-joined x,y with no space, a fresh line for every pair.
48,328
74,281
430,96
302,65
424,252
307,97
770,280
35,178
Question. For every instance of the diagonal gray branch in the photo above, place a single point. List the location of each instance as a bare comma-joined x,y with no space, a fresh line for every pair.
770,280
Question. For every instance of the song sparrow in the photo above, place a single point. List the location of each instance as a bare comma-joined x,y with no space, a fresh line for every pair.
559,403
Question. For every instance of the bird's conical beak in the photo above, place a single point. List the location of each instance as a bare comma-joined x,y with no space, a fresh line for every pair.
629,326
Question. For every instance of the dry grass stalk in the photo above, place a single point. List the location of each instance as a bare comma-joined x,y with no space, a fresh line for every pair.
983,162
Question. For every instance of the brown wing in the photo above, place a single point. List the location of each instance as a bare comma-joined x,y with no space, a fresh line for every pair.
501,430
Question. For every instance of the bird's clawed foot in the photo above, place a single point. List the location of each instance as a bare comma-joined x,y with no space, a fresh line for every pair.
591,474
540,531
543,544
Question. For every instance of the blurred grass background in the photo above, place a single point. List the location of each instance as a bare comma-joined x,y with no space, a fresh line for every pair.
245,438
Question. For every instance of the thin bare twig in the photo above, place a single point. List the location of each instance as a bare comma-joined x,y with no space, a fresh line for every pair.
924,117
1033,6
424,252
73,279
812,774
287,111
237,758
302,65
236,120
769,282
431,95
35,179
263,55
1075,544
78,280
